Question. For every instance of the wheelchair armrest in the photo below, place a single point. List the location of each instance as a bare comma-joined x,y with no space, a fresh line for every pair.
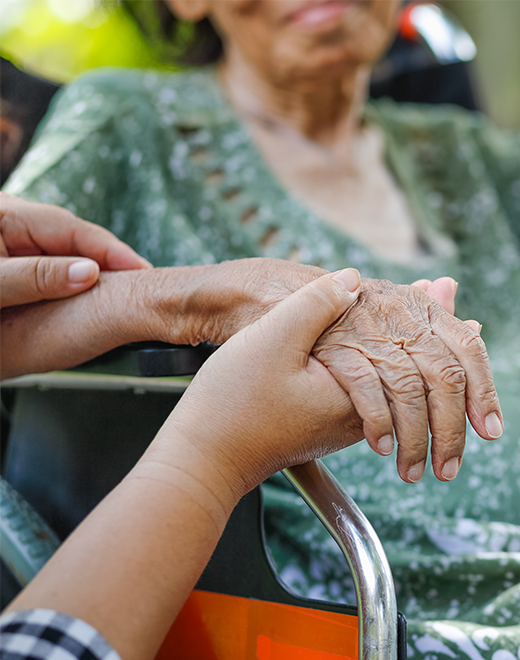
150,359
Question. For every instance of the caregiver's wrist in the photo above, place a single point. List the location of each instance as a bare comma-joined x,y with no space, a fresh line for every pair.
205,475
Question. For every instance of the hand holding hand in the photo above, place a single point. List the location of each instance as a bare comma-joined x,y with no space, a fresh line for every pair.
262,402
32,232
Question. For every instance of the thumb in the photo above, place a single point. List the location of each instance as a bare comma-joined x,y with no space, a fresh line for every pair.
29,279
302,317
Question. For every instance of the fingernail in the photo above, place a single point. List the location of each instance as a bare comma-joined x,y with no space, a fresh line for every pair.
451,468
494,425
81,271
145,262
415,473
455,287
350,278
386,445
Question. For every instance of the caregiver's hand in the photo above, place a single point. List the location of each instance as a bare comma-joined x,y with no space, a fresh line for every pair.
407,363
32,232
267,403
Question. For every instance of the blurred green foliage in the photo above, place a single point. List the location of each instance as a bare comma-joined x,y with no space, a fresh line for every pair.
59,39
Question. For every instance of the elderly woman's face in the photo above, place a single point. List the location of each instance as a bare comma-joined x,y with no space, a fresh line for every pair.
300,39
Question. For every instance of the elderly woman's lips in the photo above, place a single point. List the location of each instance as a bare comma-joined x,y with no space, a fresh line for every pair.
320,14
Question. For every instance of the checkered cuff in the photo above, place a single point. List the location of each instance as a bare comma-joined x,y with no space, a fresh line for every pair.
49,635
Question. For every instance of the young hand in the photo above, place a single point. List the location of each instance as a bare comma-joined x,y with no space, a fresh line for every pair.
39,249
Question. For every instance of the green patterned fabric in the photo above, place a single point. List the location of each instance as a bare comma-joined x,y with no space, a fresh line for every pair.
164,162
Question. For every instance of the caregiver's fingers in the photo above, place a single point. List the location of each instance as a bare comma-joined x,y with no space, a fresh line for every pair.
97,243
30,279
463,340
422,284
357,376
302,317
445,383
442,290
30,228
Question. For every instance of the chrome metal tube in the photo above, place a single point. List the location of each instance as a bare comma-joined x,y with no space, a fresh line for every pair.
344,520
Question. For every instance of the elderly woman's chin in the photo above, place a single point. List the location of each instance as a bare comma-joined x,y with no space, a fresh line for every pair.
325,38
330,56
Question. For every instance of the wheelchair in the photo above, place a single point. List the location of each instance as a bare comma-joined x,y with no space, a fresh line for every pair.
239,608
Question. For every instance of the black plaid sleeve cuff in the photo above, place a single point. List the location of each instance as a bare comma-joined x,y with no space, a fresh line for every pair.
49,635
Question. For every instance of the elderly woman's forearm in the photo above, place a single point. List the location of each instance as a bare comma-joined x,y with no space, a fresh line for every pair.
185,305
52,335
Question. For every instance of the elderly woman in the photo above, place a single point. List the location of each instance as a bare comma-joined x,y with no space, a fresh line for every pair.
273,152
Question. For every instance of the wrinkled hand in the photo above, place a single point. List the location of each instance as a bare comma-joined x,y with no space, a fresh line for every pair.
407,363
31,232
226,297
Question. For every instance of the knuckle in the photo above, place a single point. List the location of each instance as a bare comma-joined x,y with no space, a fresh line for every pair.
44,277
452,376
362,376
408,386
412,437
472,343
379,417
488,396
448,443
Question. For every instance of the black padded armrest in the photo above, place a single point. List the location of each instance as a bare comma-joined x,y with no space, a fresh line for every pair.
150,359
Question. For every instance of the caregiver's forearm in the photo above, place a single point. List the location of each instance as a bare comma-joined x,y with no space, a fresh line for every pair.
129,567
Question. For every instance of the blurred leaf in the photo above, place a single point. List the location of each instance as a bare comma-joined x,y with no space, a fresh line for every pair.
46,42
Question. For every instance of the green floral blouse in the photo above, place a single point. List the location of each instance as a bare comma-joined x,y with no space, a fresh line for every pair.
164,162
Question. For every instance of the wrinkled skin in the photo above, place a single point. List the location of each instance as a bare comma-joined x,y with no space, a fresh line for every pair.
233,294
405,362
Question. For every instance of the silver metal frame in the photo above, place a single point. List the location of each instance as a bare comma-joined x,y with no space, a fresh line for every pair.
346,523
